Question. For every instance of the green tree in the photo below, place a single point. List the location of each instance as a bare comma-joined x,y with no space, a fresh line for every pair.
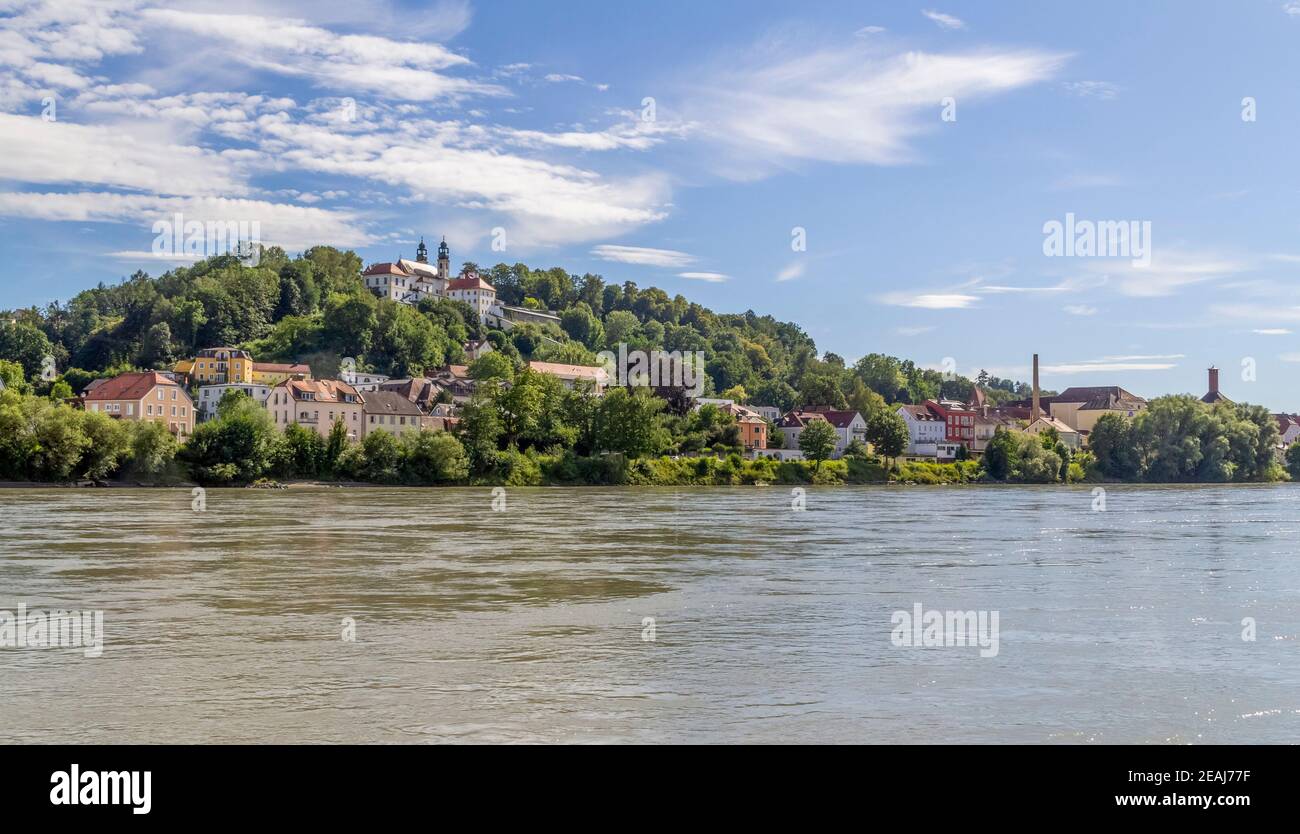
817,441
887,432
434,457
151,449
492,366
1111,443
237,447
626,422
1293,461
25,345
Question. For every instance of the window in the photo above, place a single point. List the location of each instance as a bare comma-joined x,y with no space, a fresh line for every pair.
173,411
130,409
148,410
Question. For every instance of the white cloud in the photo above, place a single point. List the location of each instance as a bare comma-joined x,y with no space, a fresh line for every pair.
127,155
1092,89
642,256
1272,331
794,270
710,277
559,77
1289,357
847,105
1080,310
914,331
1114,364
931,301
945,21
867,31
376,65
1169,272
293,227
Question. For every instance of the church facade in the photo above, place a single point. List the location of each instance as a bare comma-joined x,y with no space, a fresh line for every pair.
408,282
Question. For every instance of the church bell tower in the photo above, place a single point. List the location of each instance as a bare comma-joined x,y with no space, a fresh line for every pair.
444,260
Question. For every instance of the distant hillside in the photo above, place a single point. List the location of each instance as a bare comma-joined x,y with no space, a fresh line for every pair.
315,309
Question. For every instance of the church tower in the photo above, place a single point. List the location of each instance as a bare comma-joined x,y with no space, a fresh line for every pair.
444,260
422,252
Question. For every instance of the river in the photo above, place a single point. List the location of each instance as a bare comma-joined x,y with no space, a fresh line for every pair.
656,615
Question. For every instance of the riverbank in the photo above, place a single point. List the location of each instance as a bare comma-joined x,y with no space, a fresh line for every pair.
647,472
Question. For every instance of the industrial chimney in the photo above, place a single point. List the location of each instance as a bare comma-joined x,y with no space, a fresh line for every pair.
1214,381
1033,415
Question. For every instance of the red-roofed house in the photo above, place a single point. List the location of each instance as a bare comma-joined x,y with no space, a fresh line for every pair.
316,405
475,292
144,395
959,421
848,425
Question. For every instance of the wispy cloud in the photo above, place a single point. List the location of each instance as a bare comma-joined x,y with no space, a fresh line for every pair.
1092,89
794,270
945,21
916,330
930,300
1272,331
846,105
868,31
1114,364
710,277
1080,310
642,256
1169,272
376,65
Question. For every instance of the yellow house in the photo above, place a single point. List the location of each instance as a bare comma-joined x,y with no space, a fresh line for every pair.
273,373
217,366
230,366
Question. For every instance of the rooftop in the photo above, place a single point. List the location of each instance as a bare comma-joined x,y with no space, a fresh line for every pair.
129,386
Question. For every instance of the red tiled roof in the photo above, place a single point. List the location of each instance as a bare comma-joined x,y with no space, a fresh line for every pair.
385,269
326,390
131,386
475,283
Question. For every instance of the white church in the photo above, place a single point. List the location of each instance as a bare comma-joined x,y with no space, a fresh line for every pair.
409,281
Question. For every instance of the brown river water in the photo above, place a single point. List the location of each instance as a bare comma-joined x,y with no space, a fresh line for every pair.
655,615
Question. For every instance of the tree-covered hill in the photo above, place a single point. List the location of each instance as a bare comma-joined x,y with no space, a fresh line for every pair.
314,308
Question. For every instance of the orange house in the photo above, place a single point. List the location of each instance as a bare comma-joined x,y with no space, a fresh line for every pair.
144,395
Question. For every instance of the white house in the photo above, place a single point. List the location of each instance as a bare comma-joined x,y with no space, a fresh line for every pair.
926,431
209,396
848,425
361,380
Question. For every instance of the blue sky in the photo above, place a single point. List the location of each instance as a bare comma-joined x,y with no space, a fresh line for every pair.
368,123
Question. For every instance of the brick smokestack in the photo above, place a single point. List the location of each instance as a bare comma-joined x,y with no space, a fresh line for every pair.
1033,415
1214,380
